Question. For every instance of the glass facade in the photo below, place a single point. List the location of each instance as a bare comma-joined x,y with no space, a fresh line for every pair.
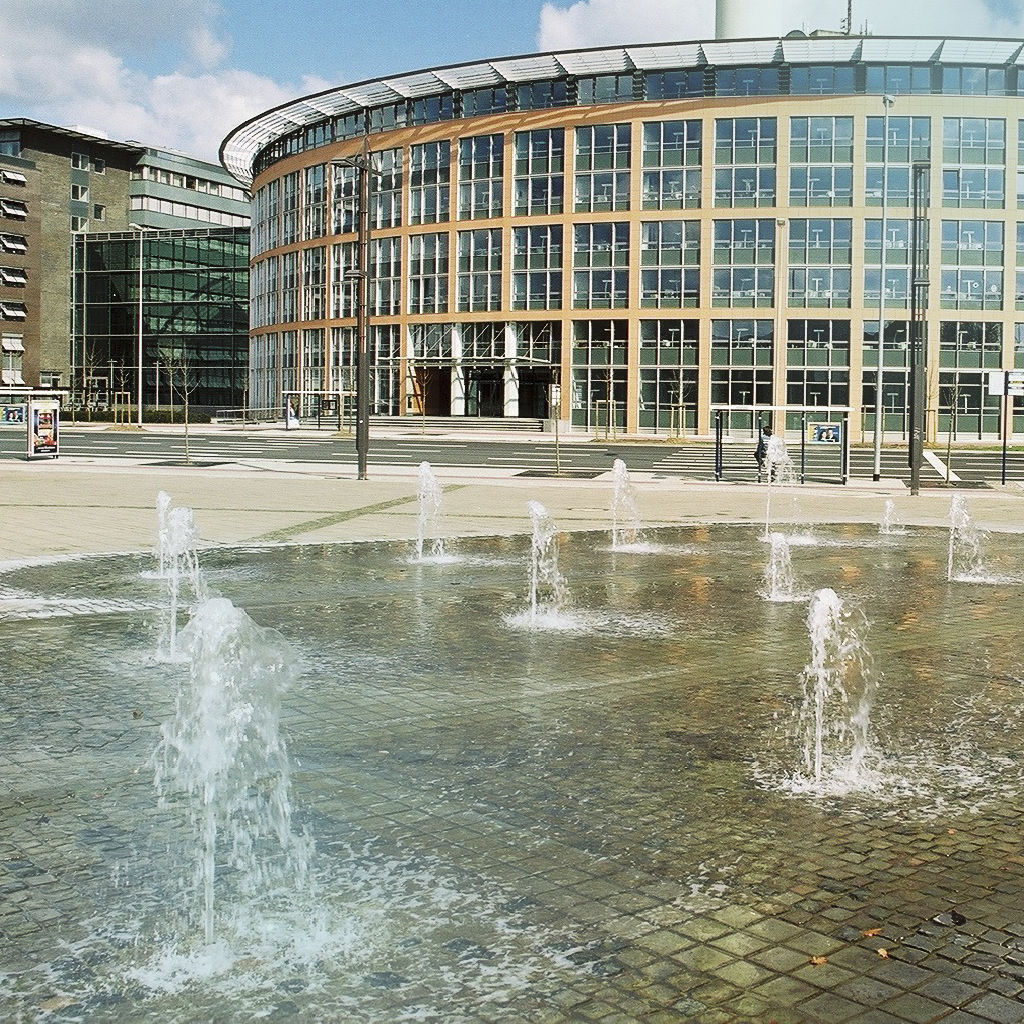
733,256
194,305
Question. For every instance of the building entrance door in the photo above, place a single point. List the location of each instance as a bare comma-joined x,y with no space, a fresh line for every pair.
432,394
534,393
485,391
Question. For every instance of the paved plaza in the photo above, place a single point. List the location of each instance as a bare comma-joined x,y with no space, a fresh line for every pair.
587,825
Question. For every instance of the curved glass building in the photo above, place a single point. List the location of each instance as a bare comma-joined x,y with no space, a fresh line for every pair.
654,237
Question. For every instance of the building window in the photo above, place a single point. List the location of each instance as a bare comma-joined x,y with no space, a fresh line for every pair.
12,351
671,165
600,277
669,376
14,243
386,195
79,224
898,79
821,80
744,257
977,188
972,264
479,270
673,85
745,153
973,140
480,102
388,117
537,267
314,202
599,354
967,352
271,219
290,288
821,155
539,342
79,193
818,363
897,261
428,273
669,263
13,310
345,199
10,142
896,364
385,296
99,212
481,173
539,185
80,161
542,95
429,182
13,277
973,81
290,198
314,283
1020,267
602,168
430,341
747,82
14,209
741,367
820,262
604,89
429,109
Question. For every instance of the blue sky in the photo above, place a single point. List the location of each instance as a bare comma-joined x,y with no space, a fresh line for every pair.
182,73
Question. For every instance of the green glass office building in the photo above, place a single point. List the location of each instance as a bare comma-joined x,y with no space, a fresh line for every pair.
188,289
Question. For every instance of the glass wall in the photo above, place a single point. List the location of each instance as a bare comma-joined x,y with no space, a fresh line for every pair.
194,305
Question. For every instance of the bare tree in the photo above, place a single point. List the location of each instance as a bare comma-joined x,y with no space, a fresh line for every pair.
183,378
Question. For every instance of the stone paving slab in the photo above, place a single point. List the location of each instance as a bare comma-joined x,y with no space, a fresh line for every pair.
562,799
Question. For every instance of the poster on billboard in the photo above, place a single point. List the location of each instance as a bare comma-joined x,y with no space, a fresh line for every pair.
43,429
825,433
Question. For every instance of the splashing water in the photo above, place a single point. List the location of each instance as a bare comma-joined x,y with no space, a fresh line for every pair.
182,566
890,525
839,686
625,514
430,495
162,552
224,752
778,576
780,473
964,560
549,594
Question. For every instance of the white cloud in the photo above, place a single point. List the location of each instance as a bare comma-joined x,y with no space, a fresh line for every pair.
69,63
606,22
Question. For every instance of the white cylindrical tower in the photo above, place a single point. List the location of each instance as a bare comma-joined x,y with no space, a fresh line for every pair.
746,19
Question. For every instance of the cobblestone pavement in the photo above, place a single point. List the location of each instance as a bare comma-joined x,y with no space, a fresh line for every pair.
598,823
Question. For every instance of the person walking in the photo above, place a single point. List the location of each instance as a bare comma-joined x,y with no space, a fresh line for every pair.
761,451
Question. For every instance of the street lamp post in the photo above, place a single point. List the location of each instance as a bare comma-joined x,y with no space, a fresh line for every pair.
887,102
918,319
361,165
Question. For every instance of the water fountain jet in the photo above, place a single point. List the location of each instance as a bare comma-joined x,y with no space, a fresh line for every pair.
839,686
223,750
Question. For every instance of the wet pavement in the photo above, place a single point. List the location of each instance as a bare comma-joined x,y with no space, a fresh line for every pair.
605,820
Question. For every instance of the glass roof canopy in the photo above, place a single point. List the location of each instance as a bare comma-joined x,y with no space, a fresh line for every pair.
239,149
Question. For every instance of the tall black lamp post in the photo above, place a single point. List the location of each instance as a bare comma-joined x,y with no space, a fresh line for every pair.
918,319
361,273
